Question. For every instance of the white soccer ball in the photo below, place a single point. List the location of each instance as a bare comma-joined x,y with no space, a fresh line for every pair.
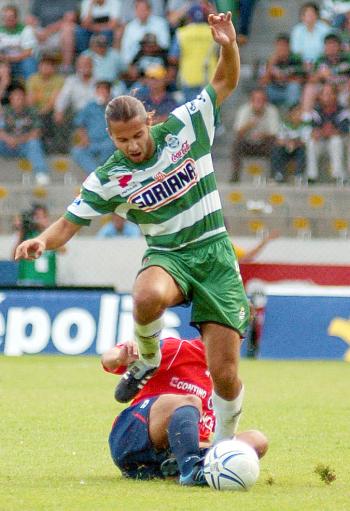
231,465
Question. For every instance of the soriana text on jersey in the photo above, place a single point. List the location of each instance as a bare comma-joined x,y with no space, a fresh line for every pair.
175,184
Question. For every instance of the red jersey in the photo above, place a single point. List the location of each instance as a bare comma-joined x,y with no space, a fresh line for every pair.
183,370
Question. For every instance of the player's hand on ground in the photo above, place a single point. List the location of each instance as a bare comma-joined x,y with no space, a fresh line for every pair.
128,353
222,28
30,249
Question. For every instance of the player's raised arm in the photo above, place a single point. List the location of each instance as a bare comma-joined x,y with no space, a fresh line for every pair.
226,75
52,238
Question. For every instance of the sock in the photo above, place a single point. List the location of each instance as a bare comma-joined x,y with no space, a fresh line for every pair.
148,337
227,415
183,437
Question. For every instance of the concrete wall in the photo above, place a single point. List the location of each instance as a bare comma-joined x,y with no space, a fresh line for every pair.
116,262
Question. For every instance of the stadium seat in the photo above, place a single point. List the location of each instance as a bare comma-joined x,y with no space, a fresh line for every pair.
26,168
302,227
341,227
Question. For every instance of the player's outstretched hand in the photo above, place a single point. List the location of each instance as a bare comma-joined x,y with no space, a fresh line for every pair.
30,249
222,28
128,353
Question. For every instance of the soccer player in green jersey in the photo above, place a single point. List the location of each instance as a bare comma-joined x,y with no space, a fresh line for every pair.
162,178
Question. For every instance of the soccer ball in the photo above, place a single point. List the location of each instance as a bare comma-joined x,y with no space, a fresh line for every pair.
231,465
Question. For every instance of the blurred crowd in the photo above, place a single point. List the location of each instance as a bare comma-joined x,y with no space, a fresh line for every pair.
60,65
297,116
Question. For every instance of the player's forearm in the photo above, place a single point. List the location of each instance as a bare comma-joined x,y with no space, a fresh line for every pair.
111,359
58,234
228,67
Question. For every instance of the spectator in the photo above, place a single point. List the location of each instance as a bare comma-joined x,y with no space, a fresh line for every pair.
330,124
334,11
43,89
143,23
20,134
94,144
255,128
307,36
249,255
118,226
290,145
5,81
150,54
176,11
55,25
195,52
107,63
97,17
246,10
332,67
127,9
77,90
157,99
344,33
284,74
42,271
17,44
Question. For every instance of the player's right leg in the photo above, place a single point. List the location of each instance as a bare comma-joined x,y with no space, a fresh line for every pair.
154,291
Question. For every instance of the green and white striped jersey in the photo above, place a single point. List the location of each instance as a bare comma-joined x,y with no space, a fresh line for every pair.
172,196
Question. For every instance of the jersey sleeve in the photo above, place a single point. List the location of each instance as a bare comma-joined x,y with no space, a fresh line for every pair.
200,115
90,202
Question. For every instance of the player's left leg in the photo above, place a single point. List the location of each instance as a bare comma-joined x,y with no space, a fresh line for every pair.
255,439
223,351
174,423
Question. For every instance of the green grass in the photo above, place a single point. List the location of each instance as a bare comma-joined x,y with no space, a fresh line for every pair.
56,413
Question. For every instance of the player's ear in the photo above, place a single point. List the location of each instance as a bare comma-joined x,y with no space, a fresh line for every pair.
149,119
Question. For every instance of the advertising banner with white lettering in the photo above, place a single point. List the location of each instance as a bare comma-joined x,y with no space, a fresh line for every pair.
73,322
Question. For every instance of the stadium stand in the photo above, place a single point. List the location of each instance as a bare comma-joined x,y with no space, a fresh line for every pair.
255,203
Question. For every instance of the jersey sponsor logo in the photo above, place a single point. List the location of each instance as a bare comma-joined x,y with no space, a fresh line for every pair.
160,176
193,106
181,152
124,180
178,384
126,183
175,184
77,200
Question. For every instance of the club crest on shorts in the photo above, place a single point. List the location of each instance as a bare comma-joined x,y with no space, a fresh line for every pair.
242,314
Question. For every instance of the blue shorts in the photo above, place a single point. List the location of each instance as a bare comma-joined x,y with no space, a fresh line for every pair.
130,445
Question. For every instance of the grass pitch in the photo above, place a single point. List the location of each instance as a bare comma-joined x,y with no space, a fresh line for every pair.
56,413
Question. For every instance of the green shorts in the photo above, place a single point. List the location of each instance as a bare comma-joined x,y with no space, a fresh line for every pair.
209,277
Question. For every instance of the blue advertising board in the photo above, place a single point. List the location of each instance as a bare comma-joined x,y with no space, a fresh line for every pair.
307,326
73,322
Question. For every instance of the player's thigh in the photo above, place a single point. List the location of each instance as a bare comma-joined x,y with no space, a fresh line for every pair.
154,284
161,413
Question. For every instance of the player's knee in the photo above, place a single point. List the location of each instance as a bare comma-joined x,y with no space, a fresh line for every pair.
257,440
225,374
148,304
190,400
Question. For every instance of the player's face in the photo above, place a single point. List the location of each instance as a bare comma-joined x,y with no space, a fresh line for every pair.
133,138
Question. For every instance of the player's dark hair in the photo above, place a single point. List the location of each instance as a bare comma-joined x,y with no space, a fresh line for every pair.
124,108
310,5
282,37
12,8
332,37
